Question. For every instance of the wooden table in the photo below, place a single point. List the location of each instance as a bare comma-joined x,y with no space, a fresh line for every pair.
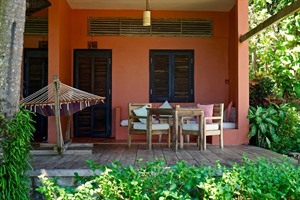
176,114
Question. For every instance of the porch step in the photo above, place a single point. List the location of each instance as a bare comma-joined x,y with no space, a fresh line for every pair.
71,148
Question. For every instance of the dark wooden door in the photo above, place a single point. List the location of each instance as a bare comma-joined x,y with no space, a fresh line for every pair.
35,78
92,73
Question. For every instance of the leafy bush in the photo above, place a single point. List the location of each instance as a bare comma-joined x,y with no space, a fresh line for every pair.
251,180
275,50
261,88
263,123
16,133
276,127
288,130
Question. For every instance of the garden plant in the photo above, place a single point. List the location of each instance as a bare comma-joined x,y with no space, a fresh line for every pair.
16,137
262,179
274,78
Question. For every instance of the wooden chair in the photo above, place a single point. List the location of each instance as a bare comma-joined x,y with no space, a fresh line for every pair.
185,128
163,127
140,123
133,118
215,128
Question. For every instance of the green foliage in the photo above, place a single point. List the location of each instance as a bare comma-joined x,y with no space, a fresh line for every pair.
260,90
255,180
275,50
251,180
288,130
16,134
276,127
263,123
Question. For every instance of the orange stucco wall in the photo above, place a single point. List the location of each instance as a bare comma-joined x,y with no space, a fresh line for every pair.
59,49
217,59
130,57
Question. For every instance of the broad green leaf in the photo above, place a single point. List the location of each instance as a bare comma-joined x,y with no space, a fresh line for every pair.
259,120
253,130
259,111
263,128
268,142
271,111
271,121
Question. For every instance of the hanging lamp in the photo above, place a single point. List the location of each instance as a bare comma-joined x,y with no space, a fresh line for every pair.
147,15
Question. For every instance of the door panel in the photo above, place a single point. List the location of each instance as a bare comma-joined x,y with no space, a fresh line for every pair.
35,78
92,73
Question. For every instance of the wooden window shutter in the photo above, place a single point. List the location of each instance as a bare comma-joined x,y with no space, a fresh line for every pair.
181,76
171,75
160,76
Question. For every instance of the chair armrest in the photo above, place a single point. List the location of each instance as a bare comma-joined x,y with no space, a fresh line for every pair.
186,119
213,118
136,117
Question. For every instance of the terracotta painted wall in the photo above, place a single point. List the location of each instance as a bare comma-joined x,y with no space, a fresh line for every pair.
238,73
130,58
59,49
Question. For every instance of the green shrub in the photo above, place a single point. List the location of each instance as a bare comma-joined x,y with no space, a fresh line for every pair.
263,123
16,134
276,127
261,88
251,180
288,130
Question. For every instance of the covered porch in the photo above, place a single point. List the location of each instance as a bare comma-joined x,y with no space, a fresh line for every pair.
218,70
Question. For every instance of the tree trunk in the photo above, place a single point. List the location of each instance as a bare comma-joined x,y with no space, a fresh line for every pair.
12,20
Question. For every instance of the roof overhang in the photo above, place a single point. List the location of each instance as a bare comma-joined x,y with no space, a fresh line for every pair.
183,5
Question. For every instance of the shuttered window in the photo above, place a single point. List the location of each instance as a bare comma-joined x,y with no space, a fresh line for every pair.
171,75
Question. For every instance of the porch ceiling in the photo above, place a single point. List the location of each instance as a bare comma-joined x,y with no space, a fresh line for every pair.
185,5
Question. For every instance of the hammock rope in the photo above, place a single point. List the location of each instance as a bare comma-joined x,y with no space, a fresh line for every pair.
71,100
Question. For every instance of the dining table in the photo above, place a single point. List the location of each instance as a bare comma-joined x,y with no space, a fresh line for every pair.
175,114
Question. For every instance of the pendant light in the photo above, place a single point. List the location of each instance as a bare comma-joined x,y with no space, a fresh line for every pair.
147,15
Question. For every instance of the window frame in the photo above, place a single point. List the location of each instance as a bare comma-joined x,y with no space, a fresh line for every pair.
171,76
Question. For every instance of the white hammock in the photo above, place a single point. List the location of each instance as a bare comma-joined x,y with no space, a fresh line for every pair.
59,99
71,100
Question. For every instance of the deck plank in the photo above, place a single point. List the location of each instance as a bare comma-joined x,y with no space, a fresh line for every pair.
129,155
105,154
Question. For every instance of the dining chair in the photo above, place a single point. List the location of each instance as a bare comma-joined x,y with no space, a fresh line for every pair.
216,127
163,127
211,125
137,114
190,123
143,120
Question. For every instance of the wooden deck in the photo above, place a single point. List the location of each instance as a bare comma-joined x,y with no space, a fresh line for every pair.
107,153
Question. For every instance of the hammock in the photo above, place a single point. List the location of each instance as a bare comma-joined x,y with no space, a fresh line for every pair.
58,99
71,100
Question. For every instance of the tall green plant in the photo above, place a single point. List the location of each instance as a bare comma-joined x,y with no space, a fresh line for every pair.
17,134
263,125
276,127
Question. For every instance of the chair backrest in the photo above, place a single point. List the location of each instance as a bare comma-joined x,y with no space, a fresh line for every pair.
132,106
218,111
